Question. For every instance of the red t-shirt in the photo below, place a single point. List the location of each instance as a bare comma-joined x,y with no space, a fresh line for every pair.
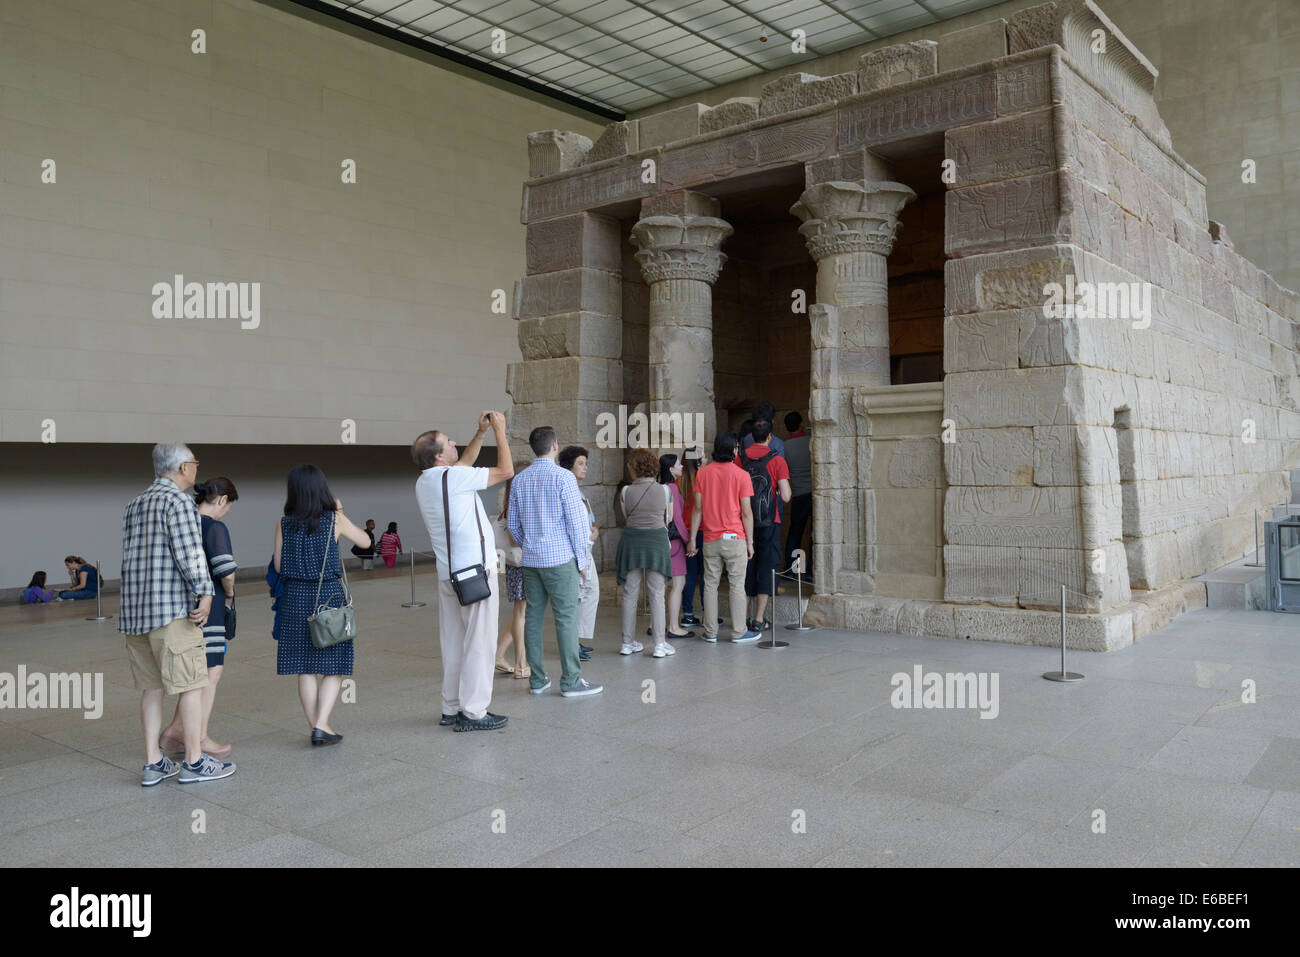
721,486
777,469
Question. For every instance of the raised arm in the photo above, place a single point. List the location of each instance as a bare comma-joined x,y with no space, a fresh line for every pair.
469,454
505,467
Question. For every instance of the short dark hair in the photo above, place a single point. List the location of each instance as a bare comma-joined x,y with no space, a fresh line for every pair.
792,421
746,429
308,497
570,454
213,489
762,431
765,411
427,447
724,447
541,439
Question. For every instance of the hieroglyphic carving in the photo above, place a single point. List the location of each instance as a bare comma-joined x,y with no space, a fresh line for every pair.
584,189
1024,86
1003,149
1018,212
932,108
748,151
900,63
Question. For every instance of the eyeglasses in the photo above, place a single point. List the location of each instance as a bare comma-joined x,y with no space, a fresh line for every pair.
194,462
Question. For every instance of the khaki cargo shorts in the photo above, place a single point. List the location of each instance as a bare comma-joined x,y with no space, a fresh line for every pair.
171,658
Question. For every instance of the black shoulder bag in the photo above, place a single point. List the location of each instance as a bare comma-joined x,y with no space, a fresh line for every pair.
471,582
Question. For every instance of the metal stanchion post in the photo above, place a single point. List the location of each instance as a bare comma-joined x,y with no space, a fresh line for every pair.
800,626
773,642
412,603
1062,675
99,590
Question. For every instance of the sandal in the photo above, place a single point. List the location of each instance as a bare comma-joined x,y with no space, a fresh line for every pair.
524,672
503,668
168,744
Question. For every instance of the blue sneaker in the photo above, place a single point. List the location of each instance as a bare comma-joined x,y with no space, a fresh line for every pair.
157,773
747,638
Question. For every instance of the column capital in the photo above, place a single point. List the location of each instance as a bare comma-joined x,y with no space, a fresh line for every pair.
680,247
844,217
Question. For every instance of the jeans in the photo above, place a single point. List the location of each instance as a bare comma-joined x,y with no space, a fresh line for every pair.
694,575
559,586
73,594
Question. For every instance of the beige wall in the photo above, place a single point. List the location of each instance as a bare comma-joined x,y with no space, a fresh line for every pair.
225,166
1229,90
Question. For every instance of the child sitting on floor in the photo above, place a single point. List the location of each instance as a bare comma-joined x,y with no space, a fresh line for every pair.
36,591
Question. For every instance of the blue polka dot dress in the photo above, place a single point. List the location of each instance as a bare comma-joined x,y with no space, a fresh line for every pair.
300,563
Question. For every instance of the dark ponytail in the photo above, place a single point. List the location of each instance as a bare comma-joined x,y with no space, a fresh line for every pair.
213,489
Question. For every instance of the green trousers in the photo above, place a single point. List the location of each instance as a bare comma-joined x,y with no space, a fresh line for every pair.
559,586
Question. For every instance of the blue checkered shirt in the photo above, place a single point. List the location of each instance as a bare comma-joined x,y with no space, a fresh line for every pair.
548,518
163,562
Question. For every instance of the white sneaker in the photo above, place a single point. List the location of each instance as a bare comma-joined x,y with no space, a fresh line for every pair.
664,650
631,648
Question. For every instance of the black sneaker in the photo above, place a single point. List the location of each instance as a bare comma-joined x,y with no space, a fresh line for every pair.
689,619
489,722
448,720
585,649
584,655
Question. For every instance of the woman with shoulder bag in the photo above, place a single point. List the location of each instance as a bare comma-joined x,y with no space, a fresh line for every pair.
307,561
670,470
643,549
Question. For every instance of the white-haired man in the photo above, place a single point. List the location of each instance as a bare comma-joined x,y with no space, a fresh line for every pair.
166,596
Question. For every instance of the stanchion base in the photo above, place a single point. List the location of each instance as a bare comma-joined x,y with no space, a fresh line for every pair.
412,604
772,643
99,618
798,627
1062,676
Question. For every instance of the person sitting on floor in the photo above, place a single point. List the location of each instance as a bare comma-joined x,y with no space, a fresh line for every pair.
36,593
85,582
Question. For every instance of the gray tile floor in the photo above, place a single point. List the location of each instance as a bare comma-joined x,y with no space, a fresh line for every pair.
744,757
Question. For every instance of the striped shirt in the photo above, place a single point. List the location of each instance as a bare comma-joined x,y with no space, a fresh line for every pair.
548,518
163,562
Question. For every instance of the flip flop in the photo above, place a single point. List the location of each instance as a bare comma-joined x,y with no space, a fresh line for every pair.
504,669
525,673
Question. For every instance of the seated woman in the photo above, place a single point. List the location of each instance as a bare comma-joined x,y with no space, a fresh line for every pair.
85,583
35,593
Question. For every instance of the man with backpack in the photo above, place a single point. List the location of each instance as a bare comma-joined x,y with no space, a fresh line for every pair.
770,476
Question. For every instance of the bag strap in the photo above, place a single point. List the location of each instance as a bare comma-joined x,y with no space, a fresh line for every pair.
324,558
446,518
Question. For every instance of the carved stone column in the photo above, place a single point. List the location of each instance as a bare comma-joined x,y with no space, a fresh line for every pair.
849,228
680,258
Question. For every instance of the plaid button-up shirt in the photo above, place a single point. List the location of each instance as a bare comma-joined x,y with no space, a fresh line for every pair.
548,517
163,562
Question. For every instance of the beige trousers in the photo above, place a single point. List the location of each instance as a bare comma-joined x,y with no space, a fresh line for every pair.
734,556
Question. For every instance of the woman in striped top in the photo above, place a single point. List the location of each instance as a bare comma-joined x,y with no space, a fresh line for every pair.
214,499
390,545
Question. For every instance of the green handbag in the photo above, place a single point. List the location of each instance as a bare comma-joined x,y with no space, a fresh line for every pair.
329,626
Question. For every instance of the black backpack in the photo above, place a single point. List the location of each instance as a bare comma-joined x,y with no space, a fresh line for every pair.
764,504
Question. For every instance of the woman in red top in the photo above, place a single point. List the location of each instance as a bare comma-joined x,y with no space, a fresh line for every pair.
390,546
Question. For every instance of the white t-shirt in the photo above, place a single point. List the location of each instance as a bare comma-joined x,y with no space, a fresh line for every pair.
463,485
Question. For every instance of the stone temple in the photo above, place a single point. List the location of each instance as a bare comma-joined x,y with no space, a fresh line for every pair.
972,451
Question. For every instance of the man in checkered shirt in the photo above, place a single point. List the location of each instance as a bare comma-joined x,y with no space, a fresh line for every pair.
549,521
164,568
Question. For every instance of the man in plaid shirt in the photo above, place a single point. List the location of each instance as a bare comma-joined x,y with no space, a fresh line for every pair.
164,568
549,521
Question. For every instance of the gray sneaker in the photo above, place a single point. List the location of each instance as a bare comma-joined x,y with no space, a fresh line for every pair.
582,689
540,689
208,769
157,773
